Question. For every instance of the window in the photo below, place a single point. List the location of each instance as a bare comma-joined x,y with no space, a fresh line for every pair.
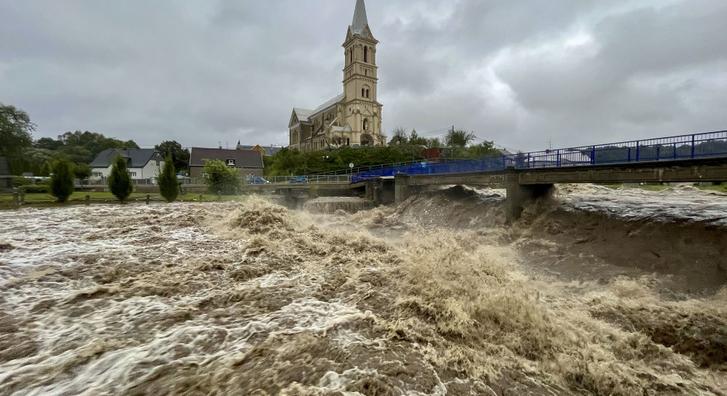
365,124
230,162
366,54
133,174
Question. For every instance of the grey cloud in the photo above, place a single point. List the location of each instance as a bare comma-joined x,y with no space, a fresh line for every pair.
226,70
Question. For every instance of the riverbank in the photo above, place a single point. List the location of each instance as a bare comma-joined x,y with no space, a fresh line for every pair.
77,198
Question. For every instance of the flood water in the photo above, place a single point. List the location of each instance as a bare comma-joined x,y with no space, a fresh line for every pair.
600,292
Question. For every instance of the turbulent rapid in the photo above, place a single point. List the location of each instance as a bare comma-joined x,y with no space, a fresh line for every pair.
601,291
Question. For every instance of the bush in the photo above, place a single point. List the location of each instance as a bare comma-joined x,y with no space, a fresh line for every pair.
61,182
20,181
168,184
119,180
82,171
36,189
221,179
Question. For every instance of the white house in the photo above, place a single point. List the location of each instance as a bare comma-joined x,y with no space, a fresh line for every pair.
142,164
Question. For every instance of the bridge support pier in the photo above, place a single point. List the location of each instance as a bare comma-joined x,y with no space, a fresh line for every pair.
402,189
381,191
520,195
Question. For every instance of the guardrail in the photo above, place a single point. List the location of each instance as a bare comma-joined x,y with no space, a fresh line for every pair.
312,179
683,147
674,148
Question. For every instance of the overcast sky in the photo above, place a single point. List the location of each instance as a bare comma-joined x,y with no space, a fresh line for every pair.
525,73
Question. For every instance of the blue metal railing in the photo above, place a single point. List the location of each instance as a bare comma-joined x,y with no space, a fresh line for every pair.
674,148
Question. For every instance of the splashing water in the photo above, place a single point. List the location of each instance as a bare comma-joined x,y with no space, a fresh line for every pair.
433,297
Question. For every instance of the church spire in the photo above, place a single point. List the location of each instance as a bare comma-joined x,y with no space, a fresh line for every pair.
360,20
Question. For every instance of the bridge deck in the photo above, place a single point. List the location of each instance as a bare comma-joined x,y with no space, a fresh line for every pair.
712,170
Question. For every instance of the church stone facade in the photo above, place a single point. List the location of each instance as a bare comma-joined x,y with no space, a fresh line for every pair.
352,118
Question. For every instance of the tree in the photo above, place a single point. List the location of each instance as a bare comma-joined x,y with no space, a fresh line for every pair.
399,137
415,140
48,144
119,180
61,182
221,179
82,171
180,156
434,143
85,146
459,138
15,131
484,149
168,184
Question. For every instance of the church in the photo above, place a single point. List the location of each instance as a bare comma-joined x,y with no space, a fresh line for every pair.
352,118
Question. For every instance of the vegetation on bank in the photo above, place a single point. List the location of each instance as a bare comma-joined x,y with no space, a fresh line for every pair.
403,147
221,179
26,155
61,183
119,180
168,183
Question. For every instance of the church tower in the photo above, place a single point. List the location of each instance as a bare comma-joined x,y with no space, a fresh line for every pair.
362,111
353,118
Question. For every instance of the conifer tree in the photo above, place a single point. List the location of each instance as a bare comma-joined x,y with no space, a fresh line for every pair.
119,180
168,184
61,182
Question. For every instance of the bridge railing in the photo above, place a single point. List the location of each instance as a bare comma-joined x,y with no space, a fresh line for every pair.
313,179
684,147
425,167
696,146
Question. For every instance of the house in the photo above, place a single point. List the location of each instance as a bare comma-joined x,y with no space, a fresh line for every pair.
352,118
142,164
249,162
5,179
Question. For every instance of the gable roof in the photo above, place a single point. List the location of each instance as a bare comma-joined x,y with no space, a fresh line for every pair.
138,157
303,115
326,105
269,150
243,158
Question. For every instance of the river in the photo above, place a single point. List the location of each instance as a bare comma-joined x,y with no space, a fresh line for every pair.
600,291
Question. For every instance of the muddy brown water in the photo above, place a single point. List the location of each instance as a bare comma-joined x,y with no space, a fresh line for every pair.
434,297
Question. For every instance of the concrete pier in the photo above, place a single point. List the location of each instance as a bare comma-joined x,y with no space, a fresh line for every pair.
402,189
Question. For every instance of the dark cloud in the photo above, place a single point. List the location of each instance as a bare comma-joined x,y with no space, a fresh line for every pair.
520,72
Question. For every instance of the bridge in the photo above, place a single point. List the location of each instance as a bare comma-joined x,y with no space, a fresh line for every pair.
700,157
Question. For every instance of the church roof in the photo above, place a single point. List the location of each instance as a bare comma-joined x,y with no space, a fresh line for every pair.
302,114
328,104
360,20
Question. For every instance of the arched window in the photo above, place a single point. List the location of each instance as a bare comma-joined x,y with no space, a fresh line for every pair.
351,52
366,54
365,124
